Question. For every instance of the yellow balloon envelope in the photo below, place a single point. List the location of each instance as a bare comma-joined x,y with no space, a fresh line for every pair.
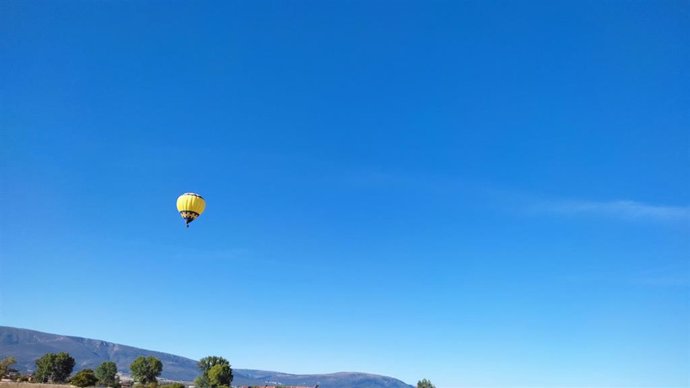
190,206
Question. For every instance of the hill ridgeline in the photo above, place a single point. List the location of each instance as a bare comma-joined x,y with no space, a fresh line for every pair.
26,346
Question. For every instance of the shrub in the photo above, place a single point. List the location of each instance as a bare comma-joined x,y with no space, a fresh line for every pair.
84,378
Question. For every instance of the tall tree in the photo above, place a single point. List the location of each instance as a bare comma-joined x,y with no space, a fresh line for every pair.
54,368
146,369
106,373
220,376
424,383
216,372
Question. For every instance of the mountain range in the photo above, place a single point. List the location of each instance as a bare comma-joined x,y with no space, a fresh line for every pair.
26,346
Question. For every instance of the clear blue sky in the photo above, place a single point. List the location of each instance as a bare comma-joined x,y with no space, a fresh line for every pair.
480,193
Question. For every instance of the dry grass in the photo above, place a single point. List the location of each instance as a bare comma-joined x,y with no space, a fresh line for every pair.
12,384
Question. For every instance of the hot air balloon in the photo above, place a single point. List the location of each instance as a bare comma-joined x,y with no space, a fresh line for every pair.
190,206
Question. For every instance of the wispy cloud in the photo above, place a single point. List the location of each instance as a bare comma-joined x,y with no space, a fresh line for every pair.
490,195
620,209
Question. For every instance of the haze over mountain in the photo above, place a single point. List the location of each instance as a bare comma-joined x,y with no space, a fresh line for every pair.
28,345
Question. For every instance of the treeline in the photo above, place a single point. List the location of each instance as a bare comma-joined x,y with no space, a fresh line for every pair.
57,368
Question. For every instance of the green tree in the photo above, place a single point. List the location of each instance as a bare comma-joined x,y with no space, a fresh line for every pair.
107,374
54,368
145,370
5,365
220,376
202,381
216,372
84,378
424,383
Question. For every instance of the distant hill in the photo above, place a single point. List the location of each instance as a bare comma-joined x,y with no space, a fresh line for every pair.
29,345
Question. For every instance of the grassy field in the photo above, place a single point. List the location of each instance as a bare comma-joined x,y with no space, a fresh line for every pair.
12,384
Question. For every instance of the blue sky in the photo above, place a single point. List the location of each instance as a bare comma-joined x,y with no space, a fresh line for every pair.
480,193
